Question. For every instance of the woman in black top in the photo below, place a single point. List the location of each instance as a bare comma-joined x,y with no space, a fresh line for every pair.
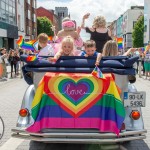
13,58
99,33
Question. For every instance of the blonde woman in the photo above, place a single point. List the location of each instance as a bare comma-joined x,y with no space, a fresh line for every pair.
99,33
111,49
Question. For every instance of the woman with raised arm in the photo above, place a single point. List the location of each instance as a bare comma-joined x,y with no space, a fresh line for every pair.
99,32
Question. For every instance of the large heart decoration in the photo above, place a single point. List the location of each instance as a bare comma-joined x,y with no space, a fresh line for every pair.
75,94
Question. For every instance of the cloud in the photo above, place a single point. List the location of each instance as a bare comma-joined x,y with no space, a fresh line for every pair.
111,9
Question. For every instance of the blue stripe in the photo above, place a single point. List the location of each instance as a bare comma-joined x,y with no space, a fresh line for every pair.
96,111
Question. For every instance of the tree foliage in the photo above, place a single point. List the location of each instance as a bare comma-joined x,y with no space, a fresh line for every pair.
44,26
138,33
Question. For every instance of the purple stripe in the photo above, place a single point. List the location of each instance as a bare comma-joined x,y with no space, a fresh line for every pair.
97,111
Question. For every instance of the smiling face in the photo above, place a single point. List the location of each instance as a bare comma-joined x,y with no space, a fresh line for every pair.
90,50
67,48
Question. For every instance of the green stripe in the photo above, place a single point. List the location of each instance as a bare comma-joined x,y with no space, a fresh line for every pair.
110,101
45,101
105,101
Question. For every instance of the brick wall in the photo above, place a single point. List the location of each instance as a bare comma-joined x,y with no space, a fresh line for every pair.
41,12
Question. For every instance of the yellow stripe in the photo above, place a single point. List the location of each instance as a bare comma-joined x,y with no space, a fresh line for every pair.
113,90
38,94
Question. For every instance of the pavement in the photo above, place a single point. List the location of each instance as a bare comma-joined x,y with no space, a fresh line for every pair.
8,75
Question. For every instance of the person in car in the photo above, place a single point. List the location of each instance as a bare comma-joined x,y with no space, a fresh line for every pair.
90,50
66,49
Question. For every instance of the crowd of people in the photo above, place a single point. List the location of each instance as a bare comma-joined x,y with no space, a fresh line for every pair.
12,59
100,45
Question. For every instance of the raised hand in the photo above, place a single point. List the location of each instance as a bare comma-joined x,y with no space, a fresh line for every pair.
86,16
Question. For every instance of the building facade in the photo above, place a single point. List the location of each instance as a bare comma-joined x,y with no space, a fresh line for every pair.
42,12
61,12
8,23
119,26
146,21
130,18
113,29
20,16
30,19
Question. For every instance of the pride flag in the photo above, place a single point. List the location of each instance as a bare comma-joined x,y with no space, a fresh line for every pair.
120,42
77,100
97,73
29,45
25,45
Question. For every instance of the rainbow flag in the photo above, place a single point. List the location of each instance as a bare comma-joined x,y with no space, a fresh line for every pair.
120,42
97,73
1,70
29,45
25,45
145,48
32,58
77,100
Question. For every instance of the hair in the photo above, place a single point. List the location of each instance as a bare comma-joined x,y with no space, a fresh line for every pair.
66,19
67,39
99,21
132,78
68,28
89,43
43,38
110,48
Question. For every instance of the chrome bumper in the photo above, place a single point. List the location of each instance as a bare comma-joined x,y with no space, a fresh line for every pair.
82,137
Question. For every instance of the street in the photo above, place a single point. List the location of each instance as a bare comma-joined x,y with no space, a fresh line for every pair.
11,97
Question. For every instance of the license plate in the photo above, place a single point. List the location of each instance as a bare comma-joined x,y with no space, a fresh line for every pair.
134,99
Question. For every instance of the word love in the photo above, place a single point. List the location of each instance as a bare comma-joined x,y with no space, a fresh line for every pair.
75,90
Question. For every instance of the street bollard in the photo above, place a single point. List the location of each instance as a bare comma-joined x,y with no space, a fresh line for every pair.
140,67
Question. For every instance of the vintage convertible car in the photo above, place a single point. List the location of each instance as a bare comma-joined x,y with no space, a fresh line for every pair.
55,128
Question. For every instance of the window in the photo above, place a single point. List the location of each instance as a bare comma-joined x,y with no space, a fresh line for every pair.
145,28
33,3
10,9
28,1
3,5
134,22
7,7
29,14
3,15
10,3
11,19
13,11
19,23
34,18
7,16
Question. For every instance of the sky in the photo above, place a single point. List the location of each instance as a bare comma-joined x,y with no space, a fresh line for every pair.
110,9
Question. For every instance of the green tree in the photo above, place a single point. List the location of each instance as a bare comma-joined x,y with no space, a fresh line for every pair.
44,26
138,33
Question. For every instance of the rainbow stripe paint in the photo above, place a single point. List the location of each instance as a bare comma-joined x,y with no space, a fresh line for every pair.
97,73
120,42
67,100
29,45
